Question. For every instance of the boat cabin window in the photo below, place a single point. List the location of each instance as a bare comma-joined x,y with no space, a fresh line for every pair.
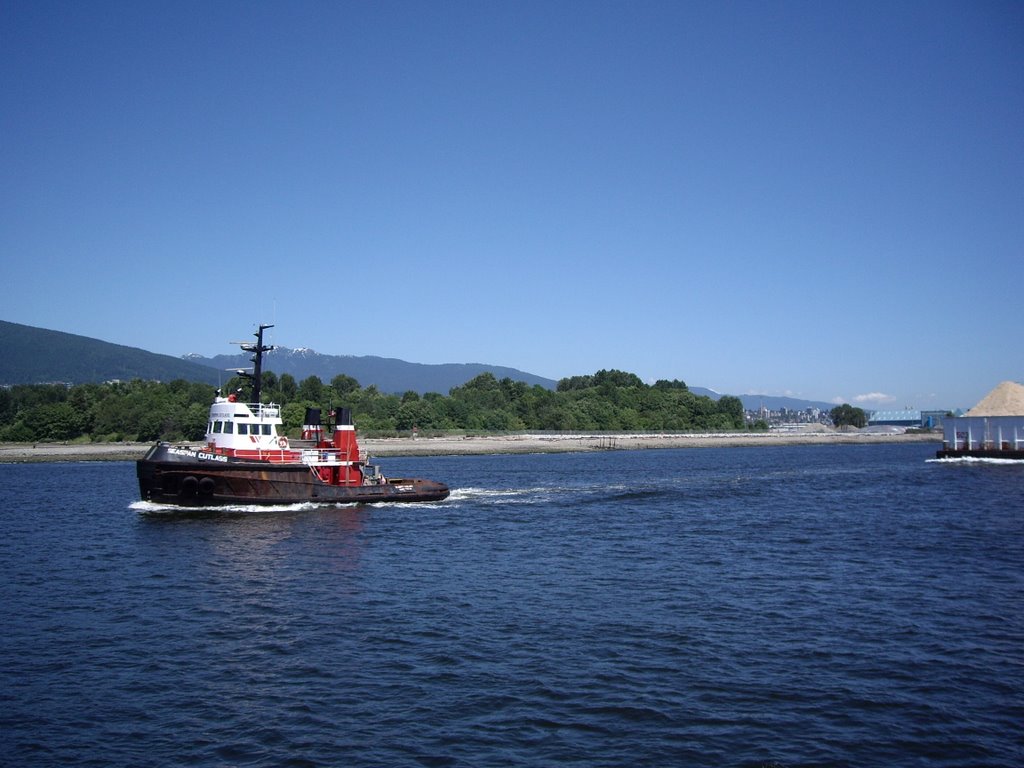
218,427
243,429
266,429
229,427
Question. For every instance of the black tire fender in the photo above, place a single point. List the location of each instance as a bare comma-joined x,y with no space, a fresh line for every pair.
189,486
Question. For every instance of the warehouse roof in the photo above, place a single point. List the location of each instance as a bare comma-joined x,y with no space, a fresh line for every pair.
899,416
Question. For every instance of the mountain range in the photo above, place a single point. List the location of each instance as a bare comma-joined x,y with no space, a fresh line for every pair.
38,356
388,374
30,355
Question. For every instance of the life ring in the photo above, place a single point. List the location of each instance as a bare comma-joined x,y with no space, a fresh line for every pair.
282,442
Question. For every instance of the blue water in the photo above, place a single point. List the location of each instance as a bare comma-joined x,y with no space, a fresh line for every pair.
782,606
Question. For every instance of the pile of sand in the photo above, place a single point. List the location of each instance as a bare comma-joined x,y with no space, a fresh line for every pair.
1005,400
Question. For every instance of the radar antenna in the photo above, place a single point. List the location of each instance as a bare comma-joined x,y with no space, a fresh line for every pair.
257,359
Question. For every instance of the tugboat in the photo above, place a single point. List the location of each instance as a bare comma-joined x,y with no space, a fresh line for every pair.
247,461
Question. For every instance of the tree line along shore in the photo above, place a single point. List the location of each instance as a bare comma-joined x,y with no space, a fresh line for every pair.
144,411
607,402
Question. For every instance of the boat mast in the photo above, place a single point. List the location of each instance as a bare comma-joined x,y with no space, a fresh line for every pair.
257,359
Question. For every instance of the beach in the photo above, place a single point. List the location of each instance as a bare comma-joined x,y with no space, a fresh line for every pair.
492,444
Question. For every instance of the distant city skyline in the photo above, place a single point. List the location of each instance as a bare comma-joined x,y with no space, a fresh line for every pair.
815,200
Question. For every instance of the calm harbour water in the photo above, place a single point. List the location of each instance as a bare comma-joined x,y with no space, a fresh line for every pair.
789,606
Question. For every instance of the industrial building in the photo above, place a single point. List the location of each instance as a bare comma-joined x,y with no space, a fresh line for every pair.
909,418
905,418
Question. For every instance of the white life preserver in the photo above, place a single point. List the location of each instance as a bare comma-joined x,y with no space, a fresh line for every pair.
282,442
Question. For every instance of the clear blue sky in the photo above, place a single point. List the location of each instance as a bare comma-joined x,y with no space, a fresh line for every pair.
807,198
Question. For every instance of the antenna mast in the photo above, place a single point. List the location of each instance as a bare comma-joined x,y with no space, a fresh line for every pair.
257,359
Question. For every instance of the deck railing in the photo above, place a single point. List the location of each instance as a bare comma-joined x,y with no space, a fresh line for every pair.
265,410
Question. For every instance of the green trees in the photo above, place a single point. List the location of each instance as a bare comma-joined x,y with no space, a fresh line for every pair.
344,385
137,410
311,389
608,400
731,408
847,415
617,401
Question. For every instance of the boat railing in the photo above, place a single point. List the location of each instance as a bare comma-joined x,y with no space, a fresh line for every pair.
265,410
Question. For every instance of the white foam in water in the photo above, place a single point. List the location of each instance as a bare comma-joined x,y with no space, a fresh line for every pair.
534,495
484,495
502,495
151,508
461,494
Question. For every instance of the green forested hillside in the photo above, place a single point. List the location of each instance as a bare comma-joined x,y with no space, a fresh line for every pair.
147,410
35,356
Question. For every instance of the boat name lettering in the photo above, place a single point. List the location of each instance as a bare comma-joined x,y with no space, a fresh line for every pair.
201,455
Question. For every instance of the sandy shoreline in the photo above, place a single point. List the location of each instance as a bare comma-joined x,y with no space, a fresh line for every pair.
475,445
442,446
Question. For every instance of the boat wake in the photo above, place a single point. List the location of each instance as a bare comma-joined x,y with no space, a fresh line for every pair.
492,494
552,493
507,496
152,508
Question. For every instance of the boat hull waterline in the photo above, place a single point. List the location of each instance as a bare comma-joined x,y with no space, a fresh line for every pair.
980,453
171,475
